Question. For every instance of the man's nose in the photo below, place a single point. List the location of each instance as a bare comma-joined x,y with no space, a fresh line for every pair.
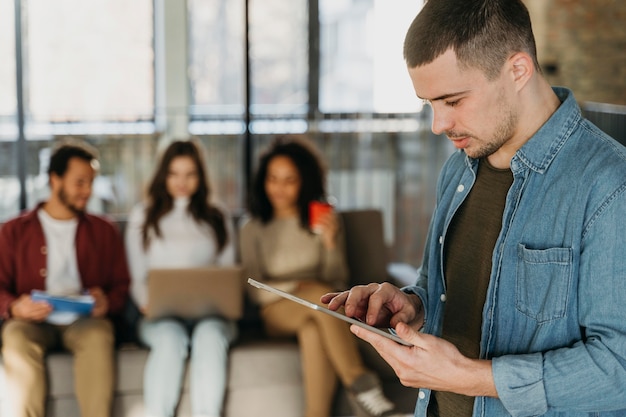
442,121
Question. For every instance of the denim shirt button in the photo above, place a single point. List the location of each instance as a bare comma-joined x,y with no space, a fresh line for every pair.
421,395
460,188
443,298
440,240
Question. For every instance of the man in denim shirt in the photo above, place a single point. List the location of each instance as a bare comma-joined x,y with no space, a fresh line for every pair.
520,295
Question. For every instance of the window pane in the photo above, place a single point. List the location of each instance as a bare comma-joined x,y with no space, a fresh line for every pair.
7,57
89,61
279,56
9,184
216,56
362,68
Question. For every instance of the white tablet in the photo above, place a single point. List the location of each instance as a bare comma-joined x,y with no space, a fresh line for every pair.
327,311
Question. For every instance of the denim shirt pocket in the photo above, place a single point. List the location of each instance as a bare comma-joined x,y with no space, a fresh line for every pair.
543,282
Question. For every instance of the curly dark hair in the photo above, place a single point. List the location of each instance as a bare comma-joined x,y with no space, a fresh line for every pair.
312,175
160,202
62,153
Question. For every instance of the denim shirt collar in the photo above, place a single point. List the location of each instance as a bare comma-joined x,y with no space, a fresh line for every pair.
540,150
538,153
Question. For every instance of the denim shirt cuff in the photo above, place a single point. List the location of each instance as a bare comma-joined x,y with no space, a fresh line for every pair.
421,293
519,382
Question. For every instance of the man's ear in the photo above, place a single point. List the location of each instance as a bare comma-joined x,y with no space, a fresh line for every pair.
521,68
54,180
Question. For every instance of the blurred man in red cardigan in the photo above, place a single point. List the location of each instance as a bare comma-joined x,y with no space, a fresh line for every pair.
60,249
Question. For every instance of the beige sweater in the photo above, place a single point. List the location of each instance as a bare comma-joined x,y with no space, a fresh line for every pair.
282,253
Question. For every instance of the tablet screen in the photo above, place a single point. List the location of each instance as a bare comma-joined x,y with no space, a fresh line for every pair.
314,306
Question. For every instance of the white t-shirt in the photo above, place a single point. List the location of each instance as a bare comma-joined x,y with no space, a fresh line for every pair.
63,277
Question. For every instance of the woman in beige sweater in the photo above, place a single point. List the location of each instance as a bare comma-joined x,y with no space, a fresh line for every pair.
278,247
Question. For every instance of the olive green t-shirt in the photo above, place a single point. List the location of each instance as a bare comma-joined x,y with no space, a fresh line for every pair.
468,252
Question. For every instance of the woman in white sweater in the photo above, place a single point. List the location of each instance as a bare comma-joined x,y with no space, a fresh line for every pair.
278,247
178,227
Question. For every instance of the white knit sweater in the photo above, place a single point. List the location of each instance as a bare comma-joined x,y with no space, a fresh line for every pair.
184,243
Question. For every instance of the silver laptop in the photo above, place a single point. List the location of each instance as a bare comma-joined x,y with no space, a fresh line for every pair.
194,293
335,314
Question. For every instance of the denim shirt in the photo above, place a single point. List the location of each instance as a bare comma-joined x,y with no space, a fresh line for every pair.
554,318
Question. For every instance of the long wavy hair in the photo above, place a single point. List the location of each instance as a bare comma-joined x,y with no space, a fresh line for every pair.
312,176
160,202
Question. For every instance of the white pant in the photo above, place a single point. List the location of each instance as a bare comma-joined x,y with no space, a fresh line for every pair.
170,341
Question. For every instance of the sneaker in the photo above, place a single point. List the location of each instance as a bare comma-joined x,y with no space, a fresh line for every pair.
368,400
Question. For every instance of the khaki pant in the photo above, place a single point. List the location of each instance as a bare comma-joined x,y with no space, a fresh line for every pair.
327,346
24,348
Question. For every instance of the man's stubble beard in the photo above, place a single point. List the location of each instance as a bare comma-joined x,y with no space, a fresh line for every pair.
66,203
501,135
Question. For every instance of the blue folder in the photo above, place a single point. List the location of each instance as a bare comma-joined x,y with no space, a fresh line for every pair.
79,304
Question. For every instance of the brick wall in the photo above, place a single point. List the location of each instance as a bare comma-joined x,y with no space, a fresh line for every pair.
582,45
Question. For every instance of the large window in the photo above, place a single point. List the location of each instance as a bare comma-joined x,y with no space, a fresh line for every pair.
88,61
278,56
8,100
278,34
331,69
362,68
9,185
361,111
87,71
216,57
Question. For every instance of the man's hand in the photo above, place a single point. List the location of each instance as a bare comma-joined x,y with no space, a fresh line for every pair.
25,308
431,363
101,304
379,305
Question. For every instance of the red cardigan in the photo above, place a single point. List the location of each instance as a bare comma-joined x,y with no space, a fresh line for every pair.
99,251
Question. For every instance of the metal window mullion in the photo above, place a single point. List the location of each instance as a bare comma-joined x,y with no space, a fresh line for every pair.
247,140
19,80
314,59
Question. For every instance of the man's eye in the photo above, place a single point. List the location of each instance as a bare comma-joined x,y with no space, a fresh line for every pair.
452,103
